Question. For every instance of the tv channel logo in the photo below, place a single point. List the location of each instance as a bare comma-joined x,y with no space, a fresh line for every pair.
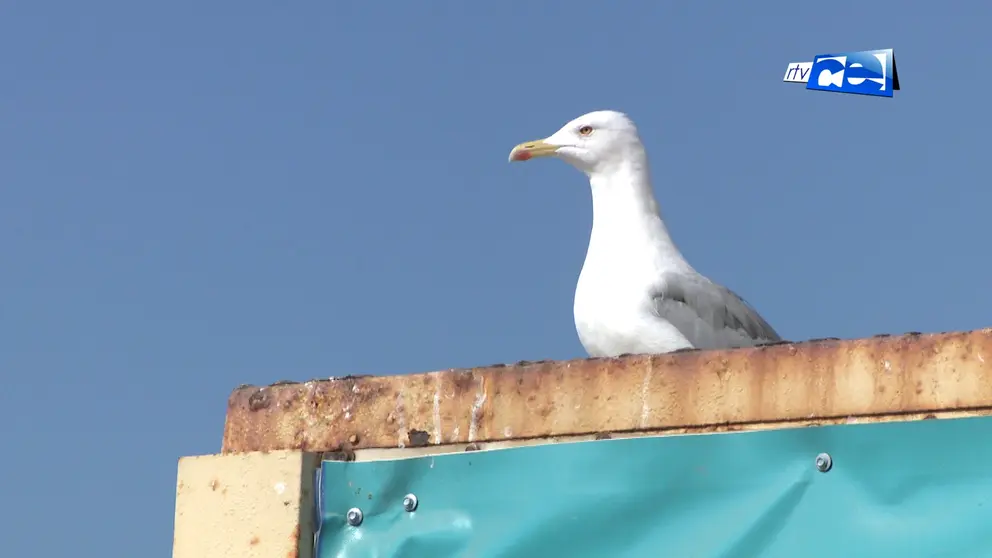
867,72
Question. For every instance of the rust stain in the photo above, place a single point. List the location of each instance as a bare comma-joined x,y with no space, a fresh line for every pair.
814,381
418,438
478,409
345,452
254,541
295,542
260,399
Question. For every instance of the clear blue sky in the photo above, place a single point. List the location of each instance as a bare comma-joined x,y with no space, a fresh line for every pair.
196,195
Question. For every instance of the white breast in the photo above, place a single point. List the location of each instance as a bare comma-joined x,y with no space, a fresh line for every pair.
612,307
629,250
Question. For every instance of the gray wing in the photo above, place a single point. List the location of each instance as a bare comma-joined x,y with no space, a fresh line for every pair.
709,315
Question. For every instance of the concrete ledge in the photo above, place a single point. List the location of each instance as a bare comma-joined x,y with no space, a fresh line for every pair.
880,378
249,505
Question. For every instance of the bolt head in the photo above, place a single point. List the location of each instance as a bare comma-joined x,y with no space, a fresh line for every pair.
355,517
824,462
410,502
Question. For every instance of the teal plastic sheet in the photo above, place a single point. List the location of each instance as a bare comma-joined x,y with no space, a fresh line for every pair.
908,489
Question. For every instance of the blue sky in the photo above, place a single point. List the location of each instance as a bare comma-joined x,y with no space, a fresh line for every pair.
199,195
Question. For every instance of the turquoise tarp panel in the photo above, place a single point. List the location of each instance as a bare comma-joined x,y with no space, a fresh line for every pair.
909,489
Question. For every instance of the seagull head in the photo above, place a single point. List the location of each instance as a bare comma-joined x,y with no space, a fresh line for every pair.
594,143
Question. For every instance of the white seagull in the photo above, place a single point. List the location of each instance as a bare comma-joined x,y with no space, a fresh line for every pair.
636,293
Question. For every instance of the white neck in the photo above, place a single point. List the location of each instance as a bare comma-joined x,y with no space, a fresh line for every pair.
625,213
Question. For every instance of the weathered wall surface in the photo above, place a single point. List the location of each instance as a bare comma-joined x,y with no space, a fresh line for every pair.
246,506
878,378
255,498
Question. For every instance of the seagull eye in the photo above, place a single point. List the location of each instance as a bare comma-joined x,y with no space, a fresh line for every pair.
585,130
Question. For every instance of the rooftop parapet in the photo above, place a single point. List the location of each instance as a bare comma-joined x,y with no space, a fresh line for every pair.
904,377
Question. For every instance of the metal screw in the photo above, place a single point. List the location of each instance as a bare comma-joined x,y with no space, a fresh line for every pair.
410,502
355,517
824,462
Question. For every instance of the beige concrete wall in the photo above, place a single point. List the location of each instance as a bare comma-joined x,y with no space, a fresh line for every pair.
250,505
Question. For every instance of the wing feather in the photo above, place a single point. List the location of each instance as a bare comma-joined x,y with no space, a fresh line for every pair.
709,315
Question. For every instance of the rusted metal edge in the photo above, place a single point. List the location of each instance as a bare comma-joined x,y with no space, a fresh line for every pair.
816,381
380,454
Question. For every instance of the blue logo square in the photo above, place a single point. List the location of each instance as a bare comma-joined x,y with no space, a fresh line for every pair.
868,72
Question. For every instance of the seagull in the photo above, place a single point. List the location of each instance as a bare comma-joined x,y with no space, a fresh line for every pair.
636,293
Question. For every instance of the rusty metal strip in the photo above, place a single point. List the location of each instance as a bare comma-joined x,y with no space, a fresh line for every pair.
808,382
379,454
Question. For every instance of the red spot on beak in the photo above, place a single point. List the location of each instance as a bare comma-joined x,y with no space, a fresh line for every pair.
522,156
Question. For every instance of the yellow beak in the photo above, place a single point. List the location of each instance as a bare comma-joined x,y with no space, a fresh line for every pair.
531,149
